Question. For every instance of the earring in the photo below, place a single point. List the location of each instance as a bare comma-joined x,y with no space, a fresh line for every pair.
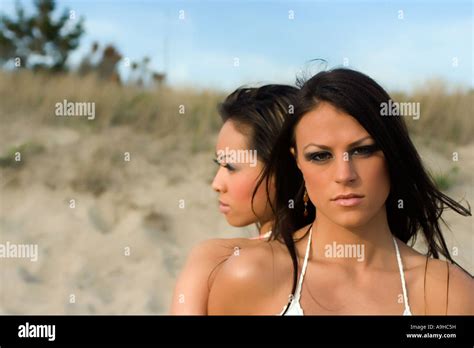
305,200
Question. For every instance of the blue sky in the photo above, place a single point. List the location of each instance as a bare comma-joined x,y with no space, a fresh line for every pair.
401,50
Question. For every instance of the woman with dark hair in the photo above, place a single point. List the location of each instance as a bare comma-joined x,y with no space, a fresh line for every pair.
351,191
364,194
252,119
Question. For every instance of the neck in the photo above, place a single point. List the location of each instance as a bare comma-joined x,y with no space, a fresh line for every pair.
265,227
361,246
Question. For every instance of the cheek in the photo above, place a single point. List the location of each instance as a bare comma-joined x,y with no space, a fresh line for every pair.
317,180
241,189
376,181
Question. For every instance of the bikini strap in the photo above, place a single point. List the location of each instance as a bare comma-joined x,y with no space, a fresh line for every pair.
402,277
305,265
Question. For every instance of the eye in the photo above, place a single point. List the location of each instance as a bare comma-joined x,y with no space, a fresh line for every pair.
227,166
364,150
318,156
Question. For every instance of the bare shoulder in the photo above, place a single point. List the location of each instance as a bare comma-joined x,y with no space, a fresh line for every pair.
448,290
442,287
246,282
217,267
203,264
234,276
452,288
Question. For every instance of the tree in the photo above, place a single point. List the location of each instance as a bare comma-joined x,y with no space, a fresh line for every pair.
39,37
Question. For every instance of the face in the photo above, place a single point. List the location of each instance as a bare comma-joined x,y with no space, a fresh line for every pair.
337,156
237,177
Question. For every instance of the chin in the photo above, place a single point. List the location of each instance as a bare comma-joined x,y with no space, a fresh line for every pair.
352,220
237,222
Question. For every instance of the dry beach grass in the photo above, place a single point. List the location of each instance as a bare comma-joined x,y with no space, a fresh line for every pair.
120,249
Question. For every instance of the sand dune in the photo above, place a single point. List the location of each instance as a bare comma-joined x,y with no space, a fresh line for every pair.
121,247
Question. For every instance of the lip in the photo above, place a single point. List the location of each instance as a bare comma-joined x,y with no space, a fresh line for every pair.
224,208
348,200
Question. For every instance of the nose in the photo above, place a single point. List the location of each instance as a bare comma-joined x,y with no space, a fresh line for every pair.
345,171
218,184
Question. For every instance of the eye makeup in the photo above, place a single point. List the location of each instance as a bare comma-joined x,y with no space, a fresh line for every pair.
228,166
365,150
325,155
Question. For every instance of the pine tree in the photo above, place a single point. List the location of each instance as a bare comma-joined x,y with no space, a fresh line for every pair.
39,37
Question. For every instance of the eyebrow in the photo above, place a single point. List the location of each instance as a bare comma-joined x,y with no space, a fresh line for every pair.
219,156
355,143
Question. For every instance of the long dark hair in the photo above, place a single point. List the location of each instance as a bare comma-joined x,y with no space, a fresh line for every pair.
259,113
361,97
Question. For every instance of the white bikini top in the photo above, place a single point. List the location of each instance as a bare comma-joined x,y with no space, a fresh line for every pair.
263,236
294,302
